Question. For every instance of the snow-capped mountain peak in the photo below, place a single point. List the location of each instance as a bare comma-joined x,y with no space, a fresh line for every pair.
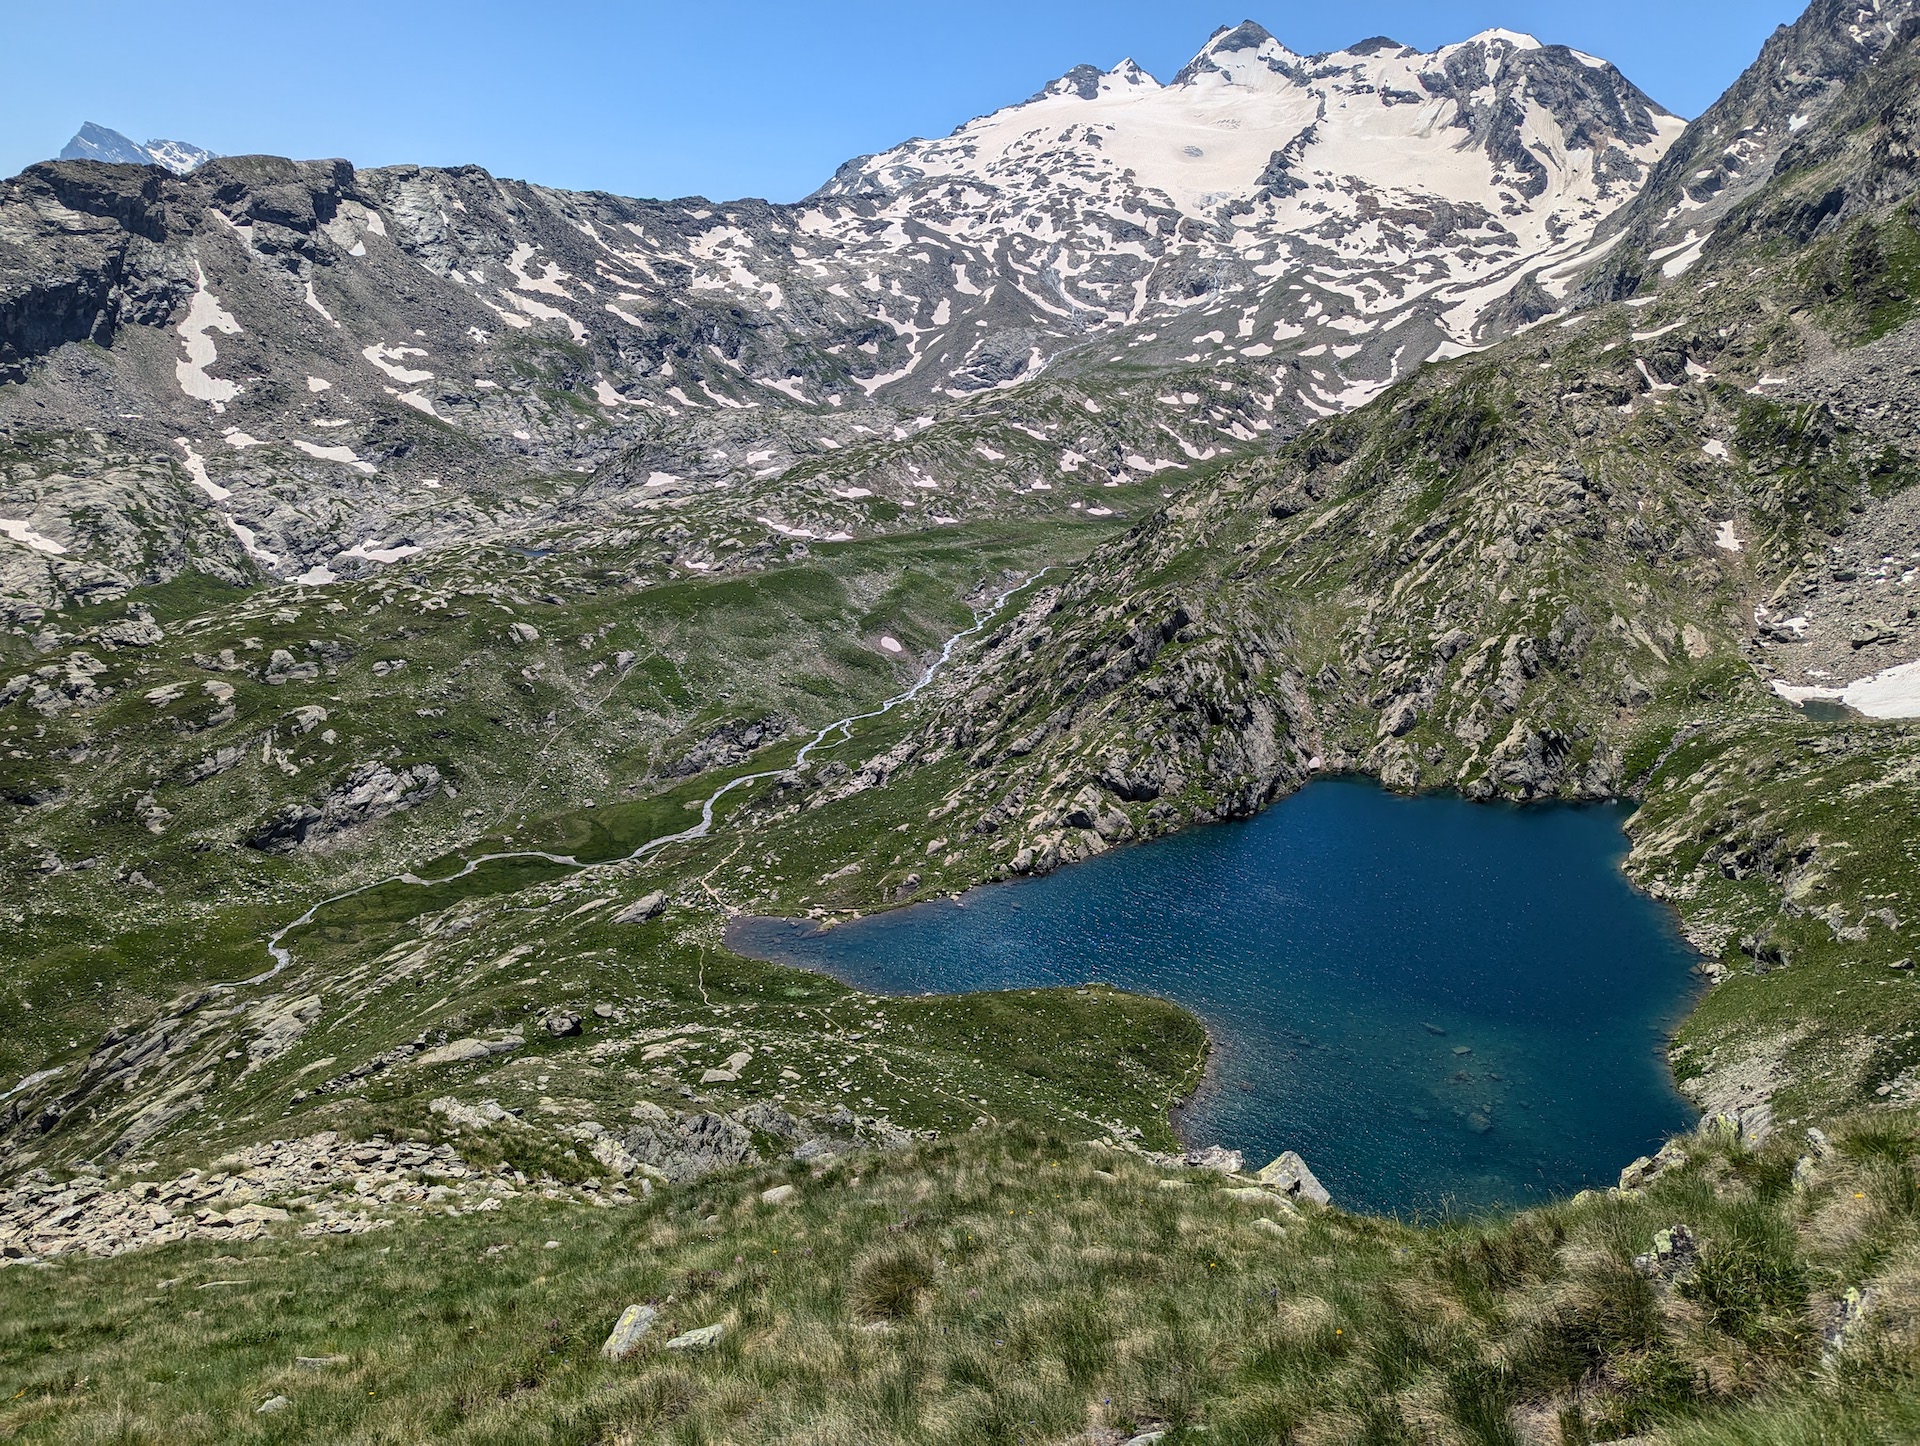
97,143
178,156
1089,82
1517,39
1237,55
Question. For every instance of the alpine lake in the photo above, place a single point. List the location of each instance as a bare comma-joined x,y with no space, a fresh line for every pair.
1444,1006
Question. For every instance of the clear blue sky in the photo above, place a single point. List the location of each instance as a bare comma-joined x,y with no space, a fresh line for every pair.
756,98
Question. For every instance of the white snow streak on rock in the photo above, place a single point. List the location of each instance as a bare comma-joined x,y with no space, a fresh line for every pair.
319,306
386,357
21,533
791,387
335,454
268,560
370,553
540,311
204,315
197,469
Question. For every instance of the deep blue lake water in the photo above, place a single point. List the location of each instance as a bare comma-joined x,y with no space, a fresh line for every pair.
1440,1004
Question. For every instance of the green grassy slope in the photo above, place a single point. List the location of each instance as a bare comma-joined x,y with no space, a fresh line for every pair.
1013,1287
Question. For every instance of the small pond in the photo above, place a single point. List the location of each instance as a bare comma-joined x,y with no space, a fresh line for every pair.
1442,1005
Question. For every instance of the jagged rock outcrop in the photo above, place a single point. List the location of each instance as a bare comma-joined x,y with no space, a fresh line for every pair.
370,792
685,1147
729,744
1756,131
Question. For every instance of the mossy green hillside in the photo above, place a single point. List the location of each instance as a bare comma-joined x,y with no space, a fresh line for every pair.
1011,1286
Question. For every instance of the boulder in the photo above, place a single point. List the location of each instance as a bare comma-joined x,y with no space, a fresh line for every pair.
1746,1124
686,1147
730,1070
561,1023
283,668
477,1117
371,791
1213,1157
257,1215
697,1340
652,906
778,1195
1290,1176
139,631
460,1051
730,744
632,1327
1648,1168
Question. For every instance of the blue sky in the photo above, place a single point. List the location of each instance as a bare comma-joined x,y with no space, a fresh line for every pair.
717,99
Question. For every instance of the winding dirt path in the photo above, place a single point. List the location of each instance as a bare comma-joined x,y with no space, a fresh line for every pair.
839,731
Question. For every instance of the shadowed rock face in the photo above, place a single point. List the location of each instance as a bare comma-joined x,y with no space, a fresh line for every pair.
1745,138
730,743
103,268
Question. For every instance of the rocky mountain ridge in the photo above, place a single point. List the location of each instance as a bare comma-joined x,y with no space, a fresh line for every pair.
1752,133
303,371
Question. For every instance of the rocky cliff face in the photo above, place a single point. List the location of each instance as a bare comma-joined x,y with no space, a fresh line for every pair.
1749,136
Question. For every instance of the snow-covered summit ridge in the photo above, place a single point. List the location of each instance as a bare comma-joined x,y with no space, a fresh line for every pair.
1557,131
1274,196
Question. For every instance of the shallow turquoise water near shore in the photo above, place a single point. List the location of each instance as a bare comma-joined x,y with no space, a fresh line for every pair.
1441,1004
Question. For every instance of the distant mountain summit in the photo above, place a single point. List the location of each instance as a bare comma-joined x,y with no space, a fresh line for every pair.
97,143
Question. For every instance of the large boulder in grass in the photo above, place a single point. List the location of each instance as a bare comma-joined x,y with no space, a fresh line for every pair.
632,1327
641,910
1290,1176
369,792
